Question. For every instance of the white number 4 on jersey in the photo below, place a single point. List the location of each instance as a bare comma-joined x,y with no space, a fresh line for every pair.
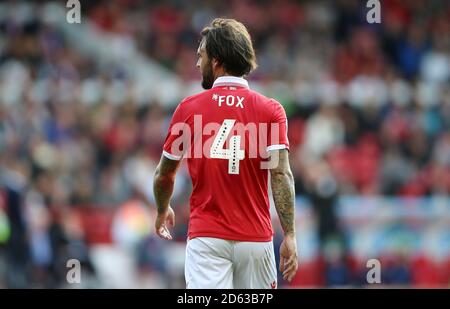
234,154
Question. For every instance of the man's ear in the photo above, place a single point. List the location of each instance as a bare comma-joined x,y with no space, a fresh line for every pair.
215,63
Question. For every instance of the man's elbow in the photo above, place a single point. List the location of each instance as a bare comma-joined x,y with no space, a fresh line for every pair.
162,180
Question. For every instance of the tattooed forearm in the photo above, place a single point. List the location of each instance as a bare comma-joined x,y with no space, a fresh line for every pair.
283,191
162,189
163,183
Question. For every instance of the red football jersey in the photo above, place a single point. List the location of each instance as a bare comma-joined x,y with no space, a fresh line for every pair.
226,133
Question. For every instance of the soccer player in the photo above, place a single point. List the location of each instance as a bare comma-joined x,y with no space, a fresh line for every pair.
230,233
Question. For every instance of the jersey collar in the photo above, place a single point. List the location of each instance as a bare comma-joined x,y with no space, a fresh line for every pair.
230,81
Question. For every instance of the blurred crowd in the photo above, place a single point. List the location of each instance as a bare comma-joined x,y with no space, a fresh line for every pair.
368,108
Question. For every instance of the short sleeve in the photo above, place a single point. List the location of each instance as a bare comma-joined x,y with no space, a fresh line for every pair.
277,138
174,145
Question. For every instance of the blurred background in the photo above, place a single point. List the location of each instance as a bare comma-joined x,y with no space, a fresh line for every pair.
84,110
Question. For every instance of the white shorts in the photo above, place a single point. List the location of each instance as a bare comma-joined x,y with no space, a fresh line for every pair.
213,263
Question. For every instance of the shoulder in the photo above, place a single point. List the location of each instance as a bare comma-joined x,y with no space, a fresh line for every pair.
190,100
270,104
264,99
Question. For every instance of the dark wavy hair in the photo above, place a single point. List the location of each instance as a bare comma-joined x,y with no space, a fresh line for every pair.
229,42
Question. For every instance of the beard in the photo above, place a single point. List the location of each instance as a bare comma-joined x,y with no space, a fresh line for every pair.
208,76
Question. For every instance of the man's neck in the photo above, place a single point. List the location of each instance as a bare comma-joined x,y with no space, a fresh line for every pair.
220,74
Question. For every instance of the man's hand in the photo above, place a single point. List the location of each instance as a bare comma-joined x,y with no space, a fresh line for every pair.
162,220
288,257
162,188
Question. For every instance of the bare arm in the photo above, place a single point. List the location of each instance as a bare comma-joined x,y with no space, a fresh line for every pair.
162,189
282,183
